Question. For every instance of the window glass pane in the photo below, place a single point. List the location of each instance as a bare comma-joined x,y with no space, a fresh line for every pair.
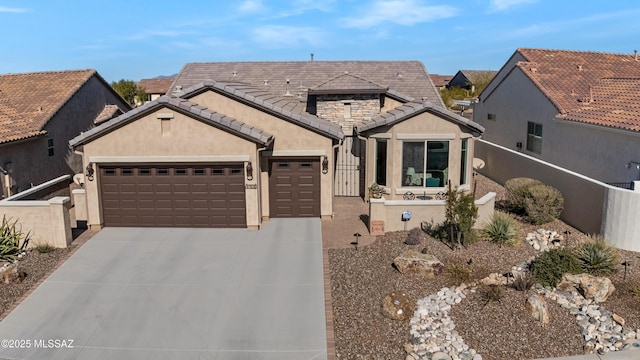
180,171
412,163
162,171
463,162
438,162
381,162
534,137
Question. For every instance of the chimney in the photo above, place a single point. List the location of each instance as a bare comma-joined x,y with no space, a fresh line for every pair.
635,55
311,56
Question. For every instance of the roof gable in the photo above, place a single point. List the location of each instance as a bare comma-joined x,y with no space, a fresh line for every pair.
286,107
183,106
409,110
29,100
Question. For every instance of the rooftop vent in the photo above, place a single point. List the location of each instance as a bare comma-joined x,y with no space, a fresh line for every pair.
266,82
399,74
311,56
579,67
235,73
178,87
534,70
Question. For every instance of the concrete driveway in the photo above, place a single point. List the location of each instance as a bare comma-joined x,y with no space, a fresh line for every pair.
144,293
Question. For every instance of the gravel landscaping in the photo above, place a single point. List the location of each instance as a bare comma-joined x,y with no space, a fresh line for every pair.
499,329
35,266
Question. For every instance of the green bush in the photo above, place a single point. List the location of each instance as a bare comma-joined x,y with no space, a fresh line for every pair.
461,214
597,258
414,236
549,267
501,229
10,237
518,192
544,204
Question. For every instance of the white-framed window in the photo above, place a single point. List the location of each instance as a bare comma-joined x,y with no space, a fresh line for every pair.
425,163
534,137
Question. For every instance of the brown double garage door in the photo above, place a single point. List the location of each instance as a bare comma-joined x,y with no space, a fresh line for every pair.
173,195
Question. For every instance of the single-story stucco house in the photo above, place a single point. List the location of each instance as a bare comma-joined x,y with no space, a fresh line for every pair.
234,144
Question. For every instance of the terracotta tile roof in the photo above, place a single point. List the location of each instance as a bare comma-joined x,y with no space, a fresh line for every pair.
289,107
613,103
29,100
400,77
156,86
108,113
566,78
440,80
408,110
198,112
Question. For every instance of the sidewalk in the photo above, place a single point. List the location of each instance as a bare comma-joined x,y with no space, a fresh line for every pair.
616,355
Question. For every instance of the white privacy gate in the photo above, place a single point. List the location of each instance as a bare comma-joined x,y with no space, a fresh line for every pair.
350,160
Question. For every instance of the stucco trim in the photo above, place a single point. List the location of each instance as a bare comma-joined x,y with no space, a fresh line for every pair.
446,136
381,136
295,153
168,159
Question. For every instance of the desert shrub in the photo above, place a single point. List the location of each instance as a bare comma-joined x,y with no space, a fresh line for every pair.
459,271
523,282
414,236
597,258
461,214
549,267
501,229
492,293
43,248
543,204
517,192
10,237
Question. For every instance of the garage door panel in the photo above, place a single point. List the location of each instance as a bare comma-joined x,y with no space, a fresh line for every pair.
294,188
185,196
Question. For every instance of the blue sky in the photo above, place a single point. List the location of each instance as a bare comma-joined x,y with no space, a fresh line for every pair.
143,39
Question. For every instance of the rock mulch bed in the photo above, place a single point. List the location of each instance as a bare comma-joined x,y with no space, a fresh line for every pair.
495,330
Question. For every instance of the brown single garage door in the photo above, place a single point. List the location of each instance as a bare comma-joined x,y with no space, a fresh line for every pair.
294,188
173,195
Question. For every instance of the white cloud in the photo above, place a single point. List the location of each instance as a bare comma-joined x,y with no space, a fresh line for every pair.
12,10
403,12
251,6
502,5
277,36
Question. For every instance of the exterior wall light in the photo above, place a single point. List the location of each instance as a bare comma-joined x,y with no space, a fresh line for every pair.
325,165
249,171
519,145
89,171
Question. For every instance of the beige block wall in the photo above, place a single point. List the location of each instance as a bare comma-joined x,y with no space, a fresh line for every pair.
429,211
289,138
183,139
44,221
425,126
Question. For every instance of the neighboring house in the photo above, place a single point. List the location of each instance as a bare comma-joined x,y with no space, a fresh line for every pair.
39,113
575,109
471,79
233,144
440,81
154,88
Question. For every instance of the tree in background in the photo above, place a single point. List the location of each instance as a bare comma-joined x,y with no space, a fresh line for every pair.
129,91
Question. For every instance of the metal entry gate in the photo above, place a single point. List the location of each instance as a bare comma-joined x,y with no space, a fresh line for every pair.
350,160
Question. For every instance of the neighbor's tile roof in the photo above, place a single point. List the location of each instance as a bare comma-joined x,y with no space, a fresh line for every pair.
440,80
613,103
409,78
567,77
29,100
475,76
156,86
108,113
408,110
194,110
286,106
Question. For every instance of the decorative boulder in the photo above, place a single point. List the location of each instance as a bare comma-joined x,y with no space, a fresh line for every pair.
494,279
398,306
537,307
413,262
591,287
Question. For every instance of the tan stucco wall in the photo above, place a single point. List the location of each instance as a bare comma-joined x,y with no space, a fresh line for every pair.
288,137
141,139
425,126
429,211
44,221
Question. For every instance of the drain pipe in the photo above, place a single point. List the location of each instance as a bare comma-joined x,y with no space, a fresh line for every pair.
259,182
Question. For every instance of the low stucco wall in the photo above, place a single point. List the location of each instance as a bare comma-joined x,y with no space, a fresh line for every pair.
620,225
430,211
46,221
